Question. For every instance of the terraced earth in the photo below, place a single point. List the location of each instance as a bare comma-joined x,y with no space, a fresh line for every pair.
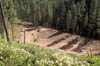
55,39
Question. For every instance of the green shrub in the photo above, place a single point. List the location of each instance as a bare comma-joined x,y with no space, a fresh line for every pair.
18,54
95,60
13,56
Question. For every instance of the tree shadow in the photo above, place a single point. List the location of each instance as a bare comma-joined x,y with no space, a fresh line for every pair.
30,29
80,47
27,25
57,41
60,32
70,44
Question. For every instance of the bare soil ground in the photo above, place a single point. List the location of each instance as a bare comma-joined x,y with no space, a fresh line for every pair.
55,39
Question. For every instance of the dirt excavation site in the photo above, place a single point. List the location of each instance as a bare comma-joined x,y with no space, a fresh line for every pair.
54,39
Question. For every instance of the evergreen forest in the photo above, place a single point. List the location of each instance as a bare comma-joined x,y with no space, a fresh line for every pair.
80,17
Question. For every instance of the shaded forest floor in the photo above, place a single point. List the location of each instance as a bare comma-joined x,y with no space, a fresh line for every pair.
55,39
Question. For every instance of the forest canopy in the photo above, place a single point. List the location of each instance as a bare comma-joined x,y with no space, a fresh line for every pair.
74,16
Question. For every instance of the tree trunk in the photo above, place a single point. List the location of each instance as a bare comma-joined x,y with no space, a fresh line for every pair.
3,21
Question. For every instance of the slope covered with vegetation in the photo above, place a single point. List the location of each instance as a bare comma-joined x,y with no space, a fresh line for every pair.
15,54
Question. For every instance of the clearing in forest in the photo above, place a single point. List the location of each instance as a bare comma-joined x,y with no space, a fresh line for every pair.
55,39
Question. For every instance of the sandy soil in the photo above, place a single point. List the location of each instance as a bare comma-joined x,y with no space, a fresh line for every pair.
55,39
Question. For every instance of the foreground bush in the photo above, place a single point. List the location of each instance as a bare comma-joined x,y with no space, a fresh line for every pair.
13,56
94,60
16,54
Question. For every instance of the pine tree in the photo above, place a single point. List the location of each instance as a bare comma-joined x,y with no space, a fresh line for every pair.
98,20
92,24
74,17
69,18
